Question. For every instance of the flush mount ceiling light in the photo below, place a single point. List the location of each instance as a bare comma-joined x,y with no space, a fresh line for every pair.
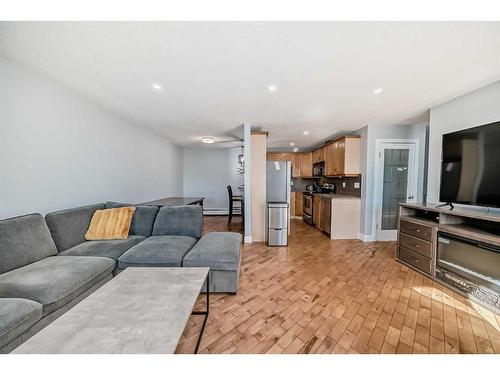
292,144
377,91
295,149
272,88
157,87
306,132
208,140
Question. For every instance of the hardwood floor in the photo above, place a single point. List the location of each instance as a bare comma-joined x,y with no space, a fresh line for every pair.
343,296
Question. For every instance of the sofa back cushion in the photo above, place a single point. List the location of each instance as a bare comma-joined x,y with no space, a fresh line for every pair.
24,240
143,219
179,221
68,227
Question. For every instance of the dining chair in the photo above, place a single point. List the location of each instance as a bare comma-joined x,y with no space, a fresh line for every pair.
232,199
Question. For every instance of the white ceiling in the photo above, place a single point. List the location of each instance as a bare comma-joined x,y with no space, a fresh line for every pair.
215,75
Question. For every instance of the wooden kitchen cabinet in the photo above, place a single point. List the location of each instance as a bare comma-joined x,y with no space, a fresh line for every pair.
293,200
301,162
306,165
343,157
274,156
318,155
316,210
299,203
296,165
325,220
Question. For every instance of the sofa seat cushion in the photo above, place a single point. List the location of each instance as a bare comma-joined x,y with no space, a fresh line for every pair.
16,316
24,240
157,251
68,227
217,250
143,219
56,280
106,248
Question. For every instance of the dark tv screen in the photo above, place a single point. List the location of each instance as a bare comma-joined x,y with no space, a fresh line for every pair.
470,169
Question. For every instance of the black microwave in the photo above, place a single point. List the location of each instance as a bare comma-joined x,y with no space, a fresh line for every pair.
319,169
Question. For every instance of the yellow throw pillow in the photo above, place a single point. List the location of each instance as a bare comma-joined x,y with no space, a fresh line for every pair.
110,224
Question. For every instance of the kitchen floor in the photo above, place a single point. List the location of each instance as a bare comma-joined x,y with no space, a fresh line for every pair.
341,296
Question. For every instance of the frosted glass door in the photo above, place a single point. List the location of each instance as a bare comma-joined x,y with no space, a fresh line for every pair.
395,186
395,183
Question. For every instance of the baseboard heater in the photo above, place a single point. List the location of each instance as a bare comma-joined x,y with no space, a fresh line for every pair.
219,211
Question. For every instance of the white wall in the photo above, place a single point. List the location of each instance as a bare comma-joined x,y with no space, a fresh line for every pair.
207,172
369,135
479,107
59,150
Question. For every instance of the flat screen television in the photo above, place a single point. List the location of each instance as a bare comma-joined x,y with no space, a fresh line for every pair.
470,166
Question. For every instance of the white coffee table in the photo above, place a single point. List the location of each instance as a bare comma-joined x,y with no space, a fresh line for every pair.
142,310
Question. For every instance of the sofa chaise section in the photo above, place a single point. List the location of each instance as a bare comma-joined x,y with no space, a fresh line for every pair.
221,252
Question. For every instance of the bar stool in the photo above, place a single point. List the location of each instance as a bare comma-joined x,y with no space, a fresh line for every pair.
232,199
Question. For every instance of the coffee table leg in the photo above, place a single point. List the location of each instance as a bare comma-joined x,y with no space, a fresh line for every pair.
205,313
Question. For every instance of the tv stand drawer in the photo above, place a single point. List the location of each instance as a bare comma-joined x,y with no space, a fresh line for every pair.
417,230
416,244
415,259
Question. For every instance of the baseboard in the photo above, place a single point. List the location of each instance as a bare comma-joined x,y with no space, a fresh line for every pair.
247,239
366,237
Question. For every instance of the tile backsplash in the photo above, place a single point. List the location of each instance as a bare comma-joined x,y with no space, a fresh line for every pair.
345,185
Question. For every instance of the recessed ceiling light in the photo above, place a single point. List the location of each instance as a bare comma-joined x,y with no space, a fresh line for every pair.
157,86
209,140
292,144
377,91
272,88
295,149
306,132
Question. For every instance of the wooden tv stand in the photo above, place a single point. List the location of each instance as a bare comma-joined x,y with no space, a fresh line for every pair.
418,228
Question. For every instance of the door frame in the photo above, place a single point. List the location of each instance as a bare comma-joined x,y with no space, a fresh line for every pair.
391,235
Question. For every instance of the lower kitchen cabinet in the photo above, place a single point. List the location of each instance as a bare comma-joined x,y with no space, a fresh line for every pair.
316,210
325,219
339,216
299,203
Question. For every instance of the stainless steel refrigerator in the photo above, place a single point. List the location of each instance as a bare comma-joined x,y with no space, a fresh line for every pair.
278,185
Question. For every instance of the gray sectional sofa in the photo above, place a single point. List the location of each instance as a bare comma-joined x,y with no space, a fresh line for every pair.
47,266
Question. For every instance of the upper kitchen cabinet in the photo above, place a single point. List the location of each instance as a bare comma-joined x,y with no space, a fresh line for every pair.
274,156
301,162
318,155
306,164
343,157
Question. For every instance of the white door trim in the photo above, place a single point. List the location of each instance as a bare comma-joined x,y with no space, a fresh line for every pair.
379,173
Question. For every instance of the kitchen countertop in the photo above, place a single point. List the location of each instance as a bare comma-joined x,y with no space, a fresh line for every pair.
333,196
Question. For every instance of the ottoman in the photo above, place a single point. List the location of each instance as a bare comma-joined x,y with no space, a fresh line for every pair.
221,252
